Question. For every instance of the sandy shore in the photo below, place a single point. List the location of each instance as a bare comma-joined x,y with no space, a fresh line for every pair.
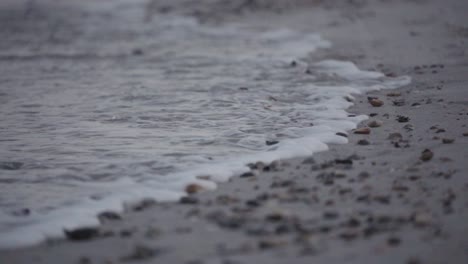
396,195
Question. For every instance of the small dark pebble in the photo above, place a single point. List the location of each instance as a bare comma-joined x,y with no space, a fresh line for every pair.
402,119
426,155
80,234
109,215
137,52
363,142
448,140
342,134
247,174
344,161
243,88
373,114
271,142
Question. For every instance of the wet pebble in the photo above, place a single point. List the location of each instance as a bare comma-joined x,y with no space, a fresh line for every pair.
363,142
362,131
109,216
375,102
83,233
402,119
375,123
448,140
421,219
426,155
193,188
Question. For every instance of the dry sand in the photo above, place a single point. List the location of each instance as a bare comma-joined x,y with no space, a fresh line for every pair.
377,199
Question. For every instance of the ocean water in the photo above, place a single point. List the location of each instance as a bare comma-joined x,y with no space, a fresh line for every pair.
87,126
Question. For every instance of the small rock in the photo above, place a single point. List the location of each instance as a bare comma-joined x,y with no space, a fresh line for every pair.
375,123
269,244
394,94
402,119
193,188
82,233
448,140
376,102
426,155
465,134
109,216
395,136
421,219
362,131
137,52
363,142
247,174
342,134
271,142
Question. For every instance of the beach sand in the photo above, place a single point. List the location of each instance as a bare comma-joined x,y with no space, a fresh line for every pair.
396,195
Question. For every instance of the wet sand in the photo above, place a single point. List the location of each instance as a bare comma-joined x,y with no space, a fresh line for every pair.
395,195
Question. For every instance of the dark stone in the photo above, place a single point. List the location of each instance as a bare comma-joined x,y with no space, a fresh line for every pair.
247,174
271,142
80,234
108,215
402,119
363,142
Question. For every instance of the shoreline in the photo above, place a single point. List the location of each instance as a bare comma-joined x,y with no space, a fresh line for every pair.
358,202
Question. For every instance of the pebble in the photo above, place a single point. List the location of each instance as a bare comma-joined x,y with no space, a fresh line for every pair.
363,142
342,134
362,131
448,140
193,188
109,215
426,155
394,94
402,119
421,219
375,123
247,174
83,233
395,136
376,102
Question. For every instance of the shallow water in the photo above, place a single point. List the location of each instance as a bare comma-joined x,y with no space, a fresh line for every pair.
87,125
